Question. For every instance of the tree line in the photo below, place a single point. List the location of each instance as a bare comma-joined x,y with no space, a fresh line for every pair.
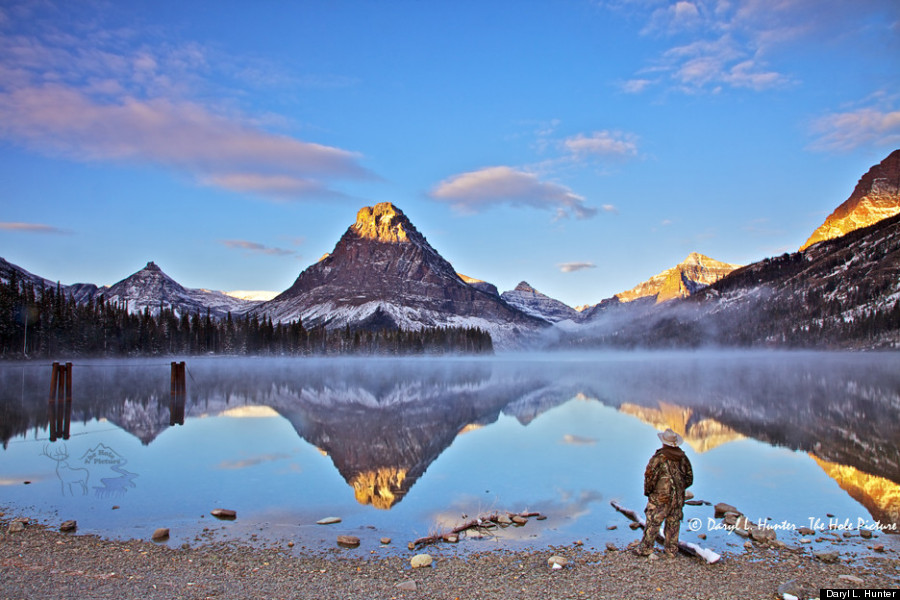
45,322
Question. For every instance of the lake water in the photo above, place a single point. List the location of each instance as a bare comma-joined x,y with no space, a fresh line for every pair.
404,448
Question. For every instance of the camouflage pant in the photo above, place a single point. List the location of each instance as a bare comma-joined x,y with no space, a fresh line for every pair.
656,514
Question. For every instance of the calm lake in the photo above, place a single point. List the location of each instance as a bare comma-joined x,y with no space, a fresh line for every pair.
404,448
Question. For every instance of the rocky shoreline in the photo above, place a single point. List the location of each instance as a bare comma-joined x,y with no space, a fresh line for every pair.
39,562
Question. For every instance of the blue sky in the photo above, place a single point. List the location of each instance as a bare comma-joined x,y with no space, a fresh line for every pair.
582,146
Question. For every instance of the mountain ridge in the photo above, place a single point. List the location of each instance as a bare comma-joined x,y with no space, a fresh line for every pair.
875,197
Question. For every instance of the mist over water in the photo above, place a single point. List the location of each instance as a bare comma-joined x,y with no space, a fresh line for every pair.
405,447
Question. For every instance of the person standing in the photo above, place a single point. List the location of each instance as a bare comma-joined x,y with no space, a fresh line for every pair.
667,476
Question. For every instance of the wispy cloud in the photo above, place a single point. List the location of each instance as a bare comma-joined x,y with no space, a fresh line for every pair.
716,44
98,98
571,267
256,248
844,131
475,191
32,228
602,143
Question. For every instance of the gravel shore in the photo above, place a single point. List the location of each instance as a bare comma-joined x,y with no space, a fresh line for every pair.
39,562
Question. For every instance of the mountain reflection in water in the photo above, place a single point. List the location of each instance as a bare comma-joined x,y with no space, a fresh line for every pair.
383,422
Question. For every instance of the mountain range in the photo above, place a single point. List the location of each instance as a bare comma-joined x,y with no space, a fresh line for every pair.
383,273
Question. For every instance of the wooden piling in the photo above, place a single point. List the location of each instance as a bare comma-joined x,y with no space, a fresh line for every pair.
51,400
67,414
178,393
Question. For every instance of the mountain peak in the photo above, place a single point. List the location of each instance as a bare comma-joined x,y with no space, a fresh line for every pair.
525,287
383,222
694,273
875,197
383,273
151,266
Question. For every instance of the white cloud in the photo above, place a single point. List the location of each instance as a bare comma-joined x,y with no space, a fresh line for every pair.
571,267
602,143
848,130
95,98
636,86
493,186
734,43
256,248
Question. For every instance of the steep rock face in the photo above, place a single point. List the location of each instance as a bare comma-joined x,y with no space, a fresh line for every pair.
876,197
529,300
384,273
150,288
690,276
478,284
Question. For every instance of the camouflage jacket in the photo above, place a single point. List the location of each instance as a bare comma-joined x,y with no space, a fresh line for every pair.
667,476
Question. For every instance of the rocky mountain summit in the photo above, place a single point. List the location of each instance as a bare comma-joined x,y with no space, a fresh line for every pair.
384,273
875,197
686,278
150,288
529,300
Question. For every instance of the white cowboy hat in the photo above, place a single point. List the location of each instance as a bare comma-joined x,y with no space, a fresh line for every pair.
670,438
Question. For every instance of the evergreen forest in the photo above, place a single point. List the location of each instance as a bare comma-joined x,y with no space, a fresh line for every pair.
46,323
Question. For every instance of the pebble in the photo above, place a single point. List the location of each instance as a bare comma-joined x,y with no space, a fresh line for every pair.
223,513
451,538
748,545
791,588
806,531
721,508
69,525
421,560
557,562
519,520
611,547
348,541
827,557
407,586
385,541
160,534
851,579
865,533
328,521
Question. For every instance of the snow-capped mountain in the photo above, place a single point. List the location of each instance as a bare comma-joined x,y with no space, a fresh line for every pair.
384,273
843,292
81,292
9,270
875,197
529,300
152,289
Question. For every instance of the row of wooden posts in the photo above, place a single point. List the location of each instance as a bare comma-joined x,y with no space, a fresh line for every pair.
60,400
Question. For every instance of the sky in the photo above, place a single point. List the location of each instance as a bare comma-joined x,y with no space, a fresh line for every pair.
579,145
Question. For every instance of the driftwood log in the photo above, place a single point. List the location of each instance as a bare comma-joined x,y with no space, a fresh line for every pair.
483,523
686,547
